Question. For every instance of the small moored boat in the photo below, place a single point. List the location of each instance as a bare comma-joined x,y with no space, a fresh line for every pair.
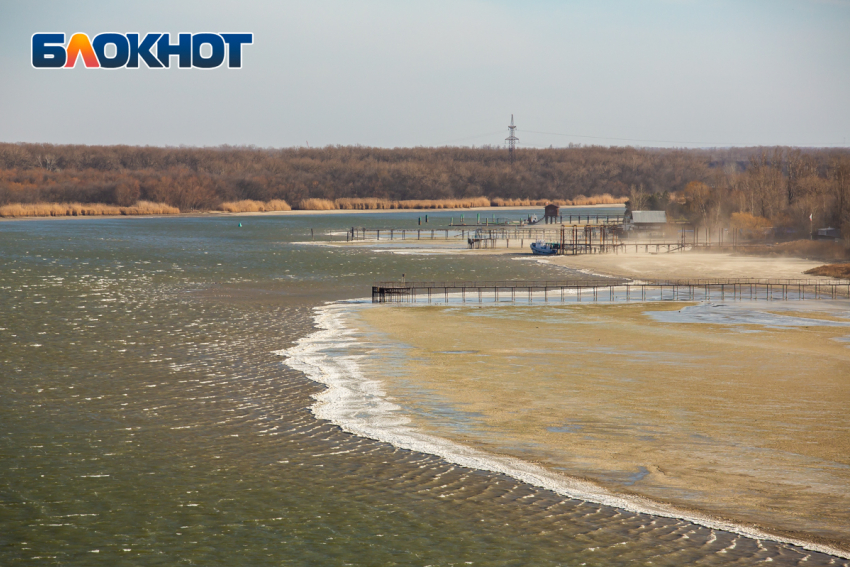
543,248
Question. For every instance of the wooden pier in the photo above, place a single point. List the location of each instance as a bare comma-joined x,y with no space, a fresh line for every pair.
362,233
741,289
562,219
569,239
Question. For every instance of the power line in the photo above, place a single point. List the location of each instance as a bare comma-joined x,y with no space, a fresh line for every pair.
668,141
640,140
628,139
476,136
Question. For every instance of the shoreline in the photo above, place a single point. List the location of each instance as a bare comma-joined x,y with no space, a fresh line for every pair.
359,405
301,212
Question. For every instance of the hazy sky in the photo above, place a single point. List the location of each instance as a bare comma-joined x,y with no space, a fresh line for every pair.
403,73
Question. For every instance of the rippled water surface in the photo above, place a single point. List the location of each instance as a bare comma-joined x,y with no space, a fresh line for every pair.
145,421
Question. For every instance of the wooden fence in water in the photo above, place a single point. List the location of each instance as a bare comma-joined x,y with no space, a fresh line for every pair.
739,289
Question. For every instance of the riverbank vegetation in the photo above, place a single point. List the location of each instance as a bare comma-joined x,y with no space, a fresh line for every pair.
14,210
249,206
778,187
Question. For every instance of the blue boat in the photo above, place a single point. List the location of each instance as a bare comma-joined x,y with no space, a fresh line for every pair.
543,248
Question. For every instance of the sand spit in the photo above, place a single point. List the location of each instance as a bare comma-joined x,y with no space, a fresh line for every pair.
334,356
689,265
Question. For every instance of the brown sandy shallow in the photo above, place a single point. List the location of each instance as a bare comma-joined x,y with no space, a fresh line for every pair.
689,265
744,422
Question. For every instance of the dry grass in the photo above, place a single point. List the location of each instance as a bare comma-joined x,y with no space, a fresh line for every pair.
316,205
365,204
580,201
840,271
817,249
377,204
16,210
604,199
244,206
277,205
444,203
249,206
499,202
150,208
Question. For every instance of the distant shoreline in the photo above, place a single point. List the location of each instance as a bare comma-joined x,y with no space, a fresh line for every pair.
301,212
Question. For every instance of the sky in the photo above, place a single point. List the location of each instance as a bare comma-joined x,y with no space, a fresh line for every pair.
659,73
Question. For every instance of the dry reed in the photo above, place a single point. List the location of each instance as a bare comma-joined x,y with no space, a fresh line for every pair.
249,206
365,204
244,206
150,208
604,199
316,205
377,204
444,203
14,210
580,201
277,205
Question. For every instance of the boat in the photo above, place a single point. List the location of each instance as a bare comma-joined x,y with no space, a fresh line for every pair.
543,248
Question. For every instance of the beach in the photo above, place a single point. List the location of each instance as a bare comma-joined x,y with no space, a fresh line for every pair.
690,265
741,419
726,411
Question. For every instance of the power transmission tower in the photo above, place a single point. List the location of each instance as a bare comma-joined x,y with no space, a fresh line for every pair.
512,139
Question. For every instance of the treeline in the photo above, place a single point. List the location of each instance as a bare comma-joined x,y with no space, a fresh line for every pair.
780,191
781,184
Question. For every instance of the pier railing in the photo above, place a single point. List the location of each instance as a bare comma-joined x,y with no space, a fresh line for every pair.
615,289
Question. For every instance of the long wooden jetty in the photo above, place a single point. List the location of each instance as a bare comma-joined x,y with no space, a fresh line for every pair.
587,237
562,219
740,289
515,232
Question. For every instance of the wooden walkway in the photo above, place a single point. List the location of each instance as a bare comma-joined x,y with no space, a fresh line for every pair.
516,233
562,219
742,289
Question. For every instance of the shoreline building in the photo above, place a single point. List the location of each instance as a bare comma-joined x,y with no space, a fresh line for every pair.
645,221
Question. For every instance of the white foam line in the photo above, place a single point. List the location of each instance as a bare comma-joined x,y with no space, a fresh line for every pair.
358,405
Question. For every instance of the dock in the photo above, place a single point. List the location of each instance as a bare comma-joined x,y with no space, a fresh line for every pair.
612,290
562,219
588,238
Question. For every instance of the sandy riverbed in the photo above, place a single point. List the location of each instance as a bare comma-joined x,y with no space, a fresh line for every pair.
689,265
743,418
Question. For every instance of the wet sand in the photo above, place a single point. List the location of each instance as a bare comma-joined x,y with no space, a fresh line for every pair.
742,418
686,265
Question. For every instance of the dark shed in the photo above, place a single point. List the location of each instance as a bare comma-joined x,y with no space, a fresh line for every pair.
551,213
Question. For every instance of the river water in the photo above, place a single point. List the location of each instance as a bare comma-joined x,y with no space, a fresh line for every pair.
145,419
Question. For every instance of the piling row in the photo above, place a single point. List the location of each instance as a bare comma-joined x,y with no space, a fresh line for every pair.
742,289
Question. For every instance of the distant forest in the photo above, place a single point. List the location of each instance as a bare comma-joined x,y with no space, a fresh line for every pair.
706,186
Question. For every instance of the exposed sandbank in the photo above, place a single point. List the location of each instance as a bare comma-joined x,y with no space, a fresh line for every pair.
689,265
743,421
